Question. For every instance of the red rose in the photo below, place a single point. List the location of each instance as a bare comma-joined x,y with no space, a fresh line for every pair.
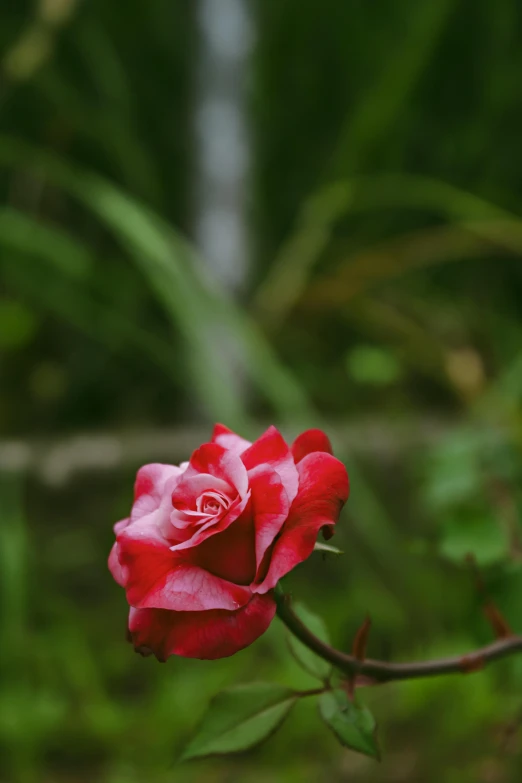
206,542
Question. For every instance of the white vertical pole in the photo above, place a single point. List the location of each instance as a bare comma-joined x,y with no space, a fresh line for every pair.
222,154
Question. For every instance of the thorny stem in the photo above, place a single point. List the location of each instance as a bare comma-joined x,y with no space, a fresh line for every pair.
381,671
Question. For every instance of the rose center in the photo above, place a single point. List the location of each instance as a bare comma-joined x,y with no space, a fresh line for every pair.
211,506
212,503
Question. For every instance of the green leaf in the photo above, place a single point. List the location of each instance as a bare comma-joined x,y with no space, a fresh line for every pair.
373,366
239,718
19,232
18,325
453,471
479,535
307,659
47,287
352,723
200,310
332,550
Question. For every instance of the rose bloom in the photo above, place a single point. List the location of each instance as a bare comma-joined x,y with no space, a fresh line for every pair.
207,542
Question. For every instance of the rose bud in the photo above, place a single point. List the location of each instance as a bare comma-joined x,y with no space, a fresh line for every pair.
207,542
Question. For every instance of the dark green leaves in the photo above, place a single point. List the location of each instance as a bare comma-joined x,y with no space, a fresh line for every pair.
479,535
239,718
243,716
18,324
308,660
367,364
352,723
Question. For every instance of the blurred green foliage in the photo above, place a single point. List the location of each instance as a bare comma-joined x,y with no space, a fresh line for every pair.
386,290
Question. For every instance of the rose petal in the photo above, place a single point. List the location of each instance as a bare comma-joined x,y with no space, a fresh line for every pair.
308,442
121,525
150,487
118,573
229,440
150,479
184,519
270,507
156,577
205,635
157,521
215,525
188,488
271,449
323,490
186,493
217,461
231,554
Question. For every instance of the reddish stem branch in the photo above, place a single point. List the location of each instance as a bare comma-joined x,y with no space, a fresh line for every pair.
386,672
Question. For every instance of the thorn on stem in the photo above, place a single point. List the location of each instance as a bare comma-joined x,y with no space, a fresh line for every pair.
470,664
492,613
359,646
361,639
499,624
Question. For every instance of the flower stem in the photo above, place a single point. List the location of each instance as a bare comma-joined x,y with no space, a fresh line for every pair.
381,671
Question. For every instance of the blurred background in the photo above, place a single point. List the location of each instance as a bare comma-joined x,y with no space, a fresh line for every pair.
256,212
